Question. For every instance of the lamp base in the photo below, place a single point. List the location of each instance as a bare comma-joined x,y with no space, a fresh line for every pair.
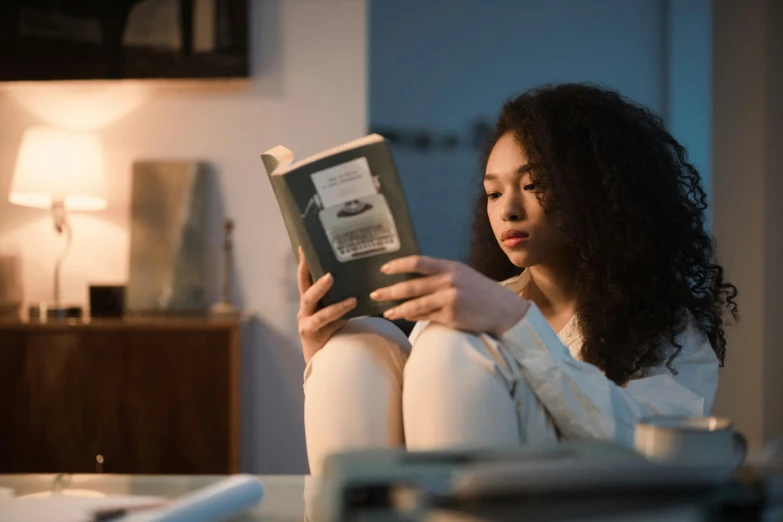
44,312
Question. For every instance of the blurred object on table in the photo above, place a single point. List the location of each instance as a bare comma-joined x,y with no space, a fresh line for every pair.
691,440
572,480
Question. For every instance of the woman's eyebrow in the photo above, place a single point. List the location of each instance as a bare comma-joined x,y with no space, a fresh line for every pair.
522,170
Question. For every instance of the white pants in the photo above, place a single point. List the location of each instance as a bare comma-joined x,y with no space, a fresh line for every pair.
368,387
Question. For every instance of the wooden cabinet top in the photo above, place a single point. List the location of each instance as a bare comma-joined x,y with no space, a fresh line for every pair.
186,324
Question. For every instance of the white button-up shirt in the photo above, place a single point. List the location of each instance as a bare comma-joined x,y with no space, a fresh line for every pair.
579,397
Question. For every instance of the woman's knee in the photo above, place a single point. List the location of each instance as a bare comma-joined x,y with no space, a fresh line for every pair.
440,350
353,388
442,356
454,393
361,343
364,329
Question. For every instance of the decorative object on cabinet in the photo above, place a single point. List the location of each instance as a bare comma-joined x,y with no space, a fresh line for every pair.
224,308
167,273
107,301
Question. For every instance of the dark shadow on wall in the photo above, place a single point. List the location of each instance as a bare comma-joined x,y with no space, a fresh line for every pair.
273,439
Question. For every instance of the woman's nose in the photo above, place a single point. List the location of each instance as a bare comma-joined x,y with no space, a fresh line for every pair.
512,210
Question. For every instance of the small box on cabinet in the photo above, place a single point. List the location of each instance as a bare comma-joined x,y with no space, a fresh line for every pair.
107,301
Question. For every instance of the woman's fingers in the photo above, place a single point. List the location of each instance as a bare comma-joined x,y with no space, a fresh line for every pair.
330,314
423,306
309,300
417,265
329,330
413,288
303,274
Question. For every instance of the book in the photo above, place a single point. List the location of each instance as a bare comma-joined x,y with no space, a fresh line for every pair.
346,208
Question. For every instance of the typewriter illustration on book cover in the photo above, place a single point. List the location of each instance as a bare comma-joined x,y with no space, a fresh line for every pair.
354,212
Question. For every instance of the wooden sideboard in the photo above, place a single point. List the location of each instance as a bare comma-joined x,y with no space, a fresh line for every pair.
133,396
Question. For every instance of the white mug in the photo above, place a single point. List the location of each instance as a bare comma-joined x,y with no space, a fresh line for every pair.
710,441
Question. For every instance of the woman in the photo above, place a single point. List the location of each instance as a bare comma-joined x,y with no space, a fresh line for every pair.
610,310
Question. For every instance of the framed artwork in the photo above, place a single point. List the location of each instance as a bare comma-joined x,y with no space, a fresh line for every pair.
123,39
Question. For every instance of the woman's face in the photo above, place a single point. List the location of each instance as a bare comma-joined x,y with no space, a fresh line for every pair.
522,228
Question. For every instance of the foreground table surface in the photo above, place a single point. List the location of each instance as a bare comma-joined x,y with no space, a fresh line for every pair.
283,500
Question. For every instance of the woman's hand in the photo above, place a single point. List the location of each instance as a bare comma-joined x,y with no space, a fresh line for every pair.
317,326
451,294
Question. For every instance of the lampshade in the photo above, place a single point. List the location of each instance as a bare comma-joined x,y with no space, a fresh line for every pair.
55,164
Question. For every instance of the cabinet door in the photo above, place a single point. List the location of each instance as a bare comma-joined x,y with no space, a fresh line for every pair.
146,400
167,407
45,418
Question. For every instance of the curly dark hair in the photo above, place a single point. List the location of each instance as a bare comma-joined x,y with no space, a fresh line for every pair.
632,210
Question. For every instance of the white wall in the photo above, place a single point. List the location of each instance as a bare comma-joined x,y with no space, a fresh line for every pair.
308,91
748,215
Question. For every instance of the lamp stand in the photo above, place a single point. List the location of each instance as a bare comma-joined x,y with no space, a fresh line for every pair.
61,225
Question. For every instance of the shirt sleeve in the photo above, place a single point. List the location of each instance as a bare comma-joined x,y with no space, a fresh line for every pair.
585,404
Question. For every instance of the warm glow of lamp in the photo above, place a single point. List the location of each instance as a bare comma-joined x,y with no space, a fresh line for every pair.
83,105
59,166
59,170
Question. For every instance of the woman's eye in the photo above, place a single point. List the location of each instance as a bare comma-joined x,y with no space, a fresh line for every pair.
493,195
529,186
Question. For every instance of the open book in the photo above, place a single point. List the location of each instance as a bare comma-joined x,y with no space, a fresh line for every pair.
345,207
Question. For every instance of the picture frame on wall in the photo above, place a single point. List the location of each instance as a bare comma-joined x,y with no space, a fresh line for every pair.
123,39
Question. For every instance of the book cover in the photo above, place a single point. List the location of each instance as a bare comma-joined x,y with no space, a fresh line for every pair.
347,210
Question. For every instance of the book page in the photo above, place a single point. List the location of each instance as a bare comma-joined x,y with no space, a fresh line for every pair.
355,144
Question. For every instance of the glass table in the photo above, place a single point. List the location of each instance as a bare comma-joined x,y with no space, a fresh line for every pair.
283,499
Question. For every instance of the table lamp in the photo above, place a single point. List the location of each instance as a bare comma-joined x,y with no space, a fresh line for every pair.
63,171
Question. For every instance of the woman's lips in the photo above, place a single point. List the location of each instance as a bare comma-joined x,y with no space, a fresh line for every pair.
515,241
512,238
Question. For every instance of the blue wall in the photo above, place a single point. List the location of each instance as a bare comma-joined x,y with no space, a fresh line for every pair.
441,65
689,60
